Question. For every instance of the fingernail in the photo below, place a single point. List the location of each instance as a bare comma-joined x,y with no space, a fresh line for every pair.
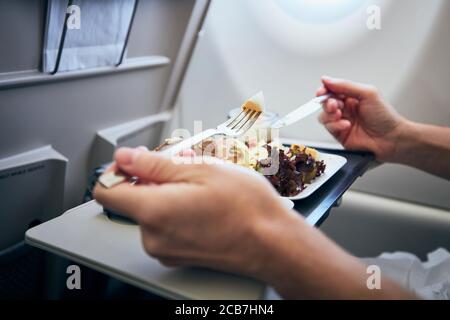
126,156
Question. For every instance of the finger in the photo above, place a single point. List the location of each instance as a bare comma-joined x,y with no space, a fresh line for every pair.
337,127
132,200
172,262
349,88
150,166
351,102
351,106
331,105
123,198
321,91
113,166
326,117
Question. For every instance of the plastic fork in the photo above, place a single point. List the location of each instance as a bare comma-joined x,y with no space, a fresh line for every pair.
234,127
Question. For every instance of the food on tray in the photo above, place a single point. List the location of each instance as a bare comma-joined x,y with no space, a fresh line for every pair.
289,169
298,166
255,103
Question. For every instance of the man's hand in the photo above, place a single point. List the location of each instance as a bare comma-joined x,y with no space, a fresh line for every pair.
198,214
359,119
229,218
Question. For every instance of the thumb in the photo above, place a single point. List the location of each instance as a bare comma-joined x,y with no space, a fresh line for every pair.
149,166
349,88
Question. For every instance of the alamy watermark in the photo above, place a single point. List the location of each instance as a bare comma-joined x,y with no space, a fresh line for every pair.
373,21
374,280
74,17
255,144
73,281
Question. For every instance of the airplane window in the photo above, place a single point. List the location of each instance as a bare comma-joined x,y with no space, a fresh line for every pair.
314,27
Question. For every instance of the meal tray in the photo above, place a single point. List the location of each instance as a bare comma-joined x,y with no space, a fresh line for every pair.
317,206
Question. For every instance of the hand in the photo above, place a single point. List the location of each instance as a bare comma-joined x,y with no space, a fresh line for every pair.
206,215
229,218
359,119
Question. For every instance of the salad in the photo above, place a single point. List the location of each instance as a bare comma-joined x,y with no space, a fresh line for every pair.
288,168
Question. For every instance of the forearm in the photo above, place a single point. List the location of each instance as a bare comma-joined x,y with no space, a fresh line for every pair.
425,147
304,264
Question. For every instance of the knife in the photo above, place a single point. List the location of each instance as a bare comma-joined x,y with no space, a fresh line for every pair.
301,112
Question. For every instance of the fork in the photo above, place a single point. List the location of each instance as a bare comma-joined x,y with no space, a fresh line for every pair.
234,127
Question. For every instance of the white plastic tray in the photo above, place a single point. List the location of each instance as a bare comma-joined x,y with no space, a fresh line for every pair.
333,164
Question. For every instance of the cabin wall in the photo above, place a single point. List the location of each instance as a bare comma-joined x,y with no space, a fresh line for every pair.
67,113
